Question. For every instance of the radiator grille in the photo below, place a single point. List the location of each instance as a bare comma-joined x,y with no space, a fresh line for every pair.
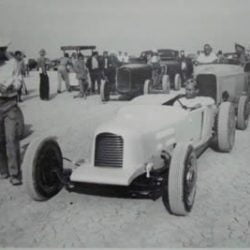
108,150
207,85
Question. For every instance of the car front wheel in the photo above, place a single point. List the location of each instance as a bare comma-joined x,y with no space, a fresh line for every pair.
104,91
165,84
243,113
177,82
225,127
147,87
179,193
41,167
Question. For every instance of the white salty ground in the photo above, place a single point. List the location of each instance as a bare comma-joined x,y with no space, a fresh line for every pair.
220,217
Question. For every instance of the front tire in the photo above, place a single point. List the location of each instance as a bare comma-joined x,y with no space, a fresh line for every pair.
104,91
147,87
177,82
243,113
165,84
42,160
182,178
226,127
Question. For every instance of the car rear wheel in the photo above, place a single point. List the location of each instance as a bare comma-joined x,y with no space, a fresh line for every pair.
20,123
177,82
243,113
41,166
104,91
179,193
165,84
147,87
226,127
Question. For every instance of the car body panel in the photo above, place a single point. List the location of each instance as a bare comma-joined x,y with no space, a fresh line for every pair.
222,78
131,78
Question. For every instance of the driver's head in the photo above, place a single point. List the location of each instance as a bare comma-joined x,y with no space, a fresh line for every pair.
207,49
190,89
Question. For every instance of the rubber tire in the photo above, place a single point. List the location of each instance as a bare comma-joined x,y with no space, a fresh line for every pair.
165,84
177,82
20,123
104,91
147,87
175,194
29,168
226,127
242,113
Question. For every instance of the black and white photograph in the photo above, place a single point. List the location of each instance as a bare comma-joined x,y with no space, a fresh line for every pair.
124,124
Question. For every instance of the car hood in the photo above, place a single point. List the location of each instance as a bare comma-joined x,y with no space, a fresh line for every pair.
142,119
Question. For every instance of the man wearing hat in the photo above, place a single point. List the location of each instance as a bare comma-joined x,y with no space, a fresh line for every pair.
9,141
240,51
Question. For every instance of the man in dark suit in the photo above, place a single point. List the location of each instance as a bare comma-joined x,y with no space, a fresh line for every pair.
186,66
93,64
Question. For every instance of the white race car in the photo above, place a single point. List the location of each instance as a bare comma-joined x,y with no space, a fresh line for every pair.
151,137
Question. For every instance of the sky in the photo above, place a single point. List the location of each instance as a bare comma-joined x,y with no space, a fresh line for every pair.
131,25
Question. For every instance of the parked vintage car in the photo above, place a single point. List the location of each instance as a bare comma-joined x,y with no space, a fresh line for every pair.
225,82
149,139
133,80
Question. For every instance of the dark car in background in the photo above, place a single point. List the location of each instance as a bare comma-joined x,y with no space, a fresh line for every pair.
134,80
169,62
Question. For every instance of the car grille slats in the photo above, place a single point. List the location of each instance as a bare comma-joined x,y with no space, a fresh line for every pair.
108,150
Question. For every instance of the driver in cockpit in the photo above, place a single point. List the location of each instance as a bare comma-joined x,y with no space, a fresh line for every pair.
191,100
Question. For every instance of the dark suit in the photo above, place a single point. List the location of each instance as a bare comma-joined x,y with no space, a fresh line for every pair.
95,73
108,66
186,67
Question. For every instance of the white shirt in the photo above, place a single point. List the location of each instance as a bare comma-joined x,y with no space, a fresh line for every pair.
202,58
120,58
192,102
154,59
105,63
125,59
94,63
6,72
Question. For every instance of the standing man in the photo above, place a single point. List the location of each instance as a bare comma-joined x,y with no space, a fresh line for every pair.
9,141
208,56
18,74
93,64
126,57
108,65
240,51
42,64
82,75
120,58
63,72
186,67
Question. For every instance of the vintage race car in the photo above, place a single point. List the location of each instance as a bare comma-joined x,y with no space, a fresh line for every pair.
225,82
151,138
136,79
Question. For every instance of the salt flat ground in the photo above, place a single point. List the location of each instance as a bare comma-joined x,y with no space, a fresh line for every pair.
220,217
